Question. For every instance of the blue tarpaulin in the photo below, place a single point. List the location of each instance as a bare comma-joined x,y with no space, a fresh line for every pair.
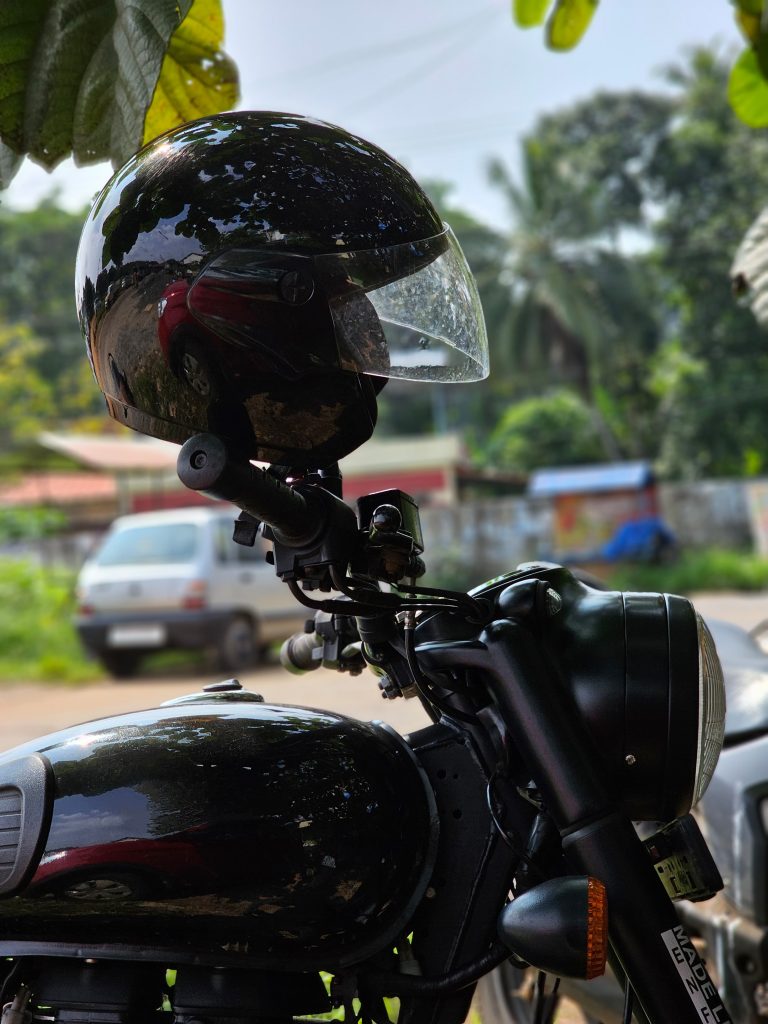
643,540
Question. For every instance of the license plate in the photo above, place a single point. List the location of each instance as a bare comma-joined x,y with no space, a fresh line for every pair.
145,635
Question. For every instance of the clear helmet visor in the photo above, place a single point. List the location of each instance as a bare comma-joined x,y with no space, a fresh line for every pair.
410,311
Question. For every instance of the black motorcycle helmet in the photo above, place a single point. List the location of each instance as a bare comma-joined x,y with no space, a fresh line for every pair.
259,275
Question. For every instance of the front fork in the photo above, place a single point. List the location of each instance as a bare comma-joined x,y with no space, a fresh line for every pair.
669,979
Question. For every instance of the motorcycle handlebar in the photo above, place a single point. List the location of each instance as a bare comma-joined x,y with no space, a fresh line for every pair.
298,652
205,465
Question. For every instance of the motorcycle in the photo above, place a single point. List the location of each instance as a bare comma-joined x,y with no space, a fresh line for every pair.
286,861
250,847
733,815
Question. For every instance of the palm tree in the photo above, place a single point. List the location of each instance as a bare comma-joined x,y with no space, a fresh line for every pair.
577,301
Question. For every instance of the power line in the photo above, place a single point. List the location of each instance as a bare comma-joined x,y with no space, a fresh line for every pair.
349,58
392,88
449,133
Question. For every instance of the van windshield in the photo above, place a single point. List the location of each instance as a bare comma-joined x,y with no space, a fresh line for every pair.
150,545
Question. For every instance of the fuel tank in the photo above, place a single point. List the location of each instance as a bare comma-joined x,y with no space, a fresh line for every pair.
215,829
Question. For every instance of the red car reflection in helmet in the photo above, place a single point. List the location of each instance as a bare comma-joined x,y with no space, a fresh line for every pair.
186,345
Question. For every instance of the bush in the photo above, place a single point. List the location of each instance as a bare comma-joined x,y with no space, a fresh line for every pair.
710,569
556,429
37,638
38,521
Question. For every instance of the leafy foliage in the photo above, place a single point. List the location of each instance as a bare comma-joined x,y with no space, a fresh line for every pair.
709,178
578,311
687,384
196,78
25,398
37,257
23,523
81,76
614,279
567,22
37,638
557,429
44,377
748,83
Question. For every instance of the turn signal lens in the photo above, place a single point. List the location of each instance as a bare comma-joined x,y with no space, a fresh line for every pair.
560,926
597,928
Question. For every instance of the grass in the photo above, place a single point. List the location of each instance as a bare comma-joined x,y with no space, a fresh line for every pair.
37,639
695,571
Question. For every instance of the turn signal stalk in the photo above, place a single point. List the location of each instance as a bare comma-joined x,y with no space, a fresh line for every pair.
560,927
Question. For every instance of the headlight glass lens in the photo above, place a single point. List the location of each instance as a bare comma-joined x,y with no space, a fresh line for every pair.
711,709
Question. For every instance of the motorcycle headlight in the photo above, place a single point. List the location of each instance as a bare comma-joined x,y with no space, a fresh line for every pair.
711,709
644,672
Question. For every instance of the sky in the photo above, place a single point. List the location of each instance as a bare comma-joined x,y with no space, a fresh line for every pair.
442,86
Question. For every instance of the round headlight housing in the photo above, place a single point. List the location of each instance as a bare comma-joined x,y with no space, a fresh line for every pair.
711,709
645,675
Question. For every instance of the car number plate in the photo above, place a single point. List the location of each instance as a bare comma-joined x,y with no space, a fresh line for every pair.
144,635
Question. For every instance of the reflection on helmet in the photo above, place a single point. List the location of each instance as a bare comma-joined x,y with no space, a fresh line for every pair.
259,276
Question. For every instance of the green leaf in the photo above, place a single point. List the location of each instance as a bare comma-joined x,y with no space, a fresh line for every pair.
749,6
748,90
92,124
568,23
140,36
20,27
749,25
9,164
79,76
196,77
528,13
61,55
64,64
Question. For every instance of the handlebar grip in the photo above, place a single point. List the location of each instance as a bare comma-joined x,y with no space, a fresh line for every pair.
298,652
204,464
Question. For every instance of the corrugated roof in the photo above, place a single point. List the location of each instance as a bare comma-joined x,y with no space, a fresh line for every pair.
609,476
399,453
58,488
123,454
114,454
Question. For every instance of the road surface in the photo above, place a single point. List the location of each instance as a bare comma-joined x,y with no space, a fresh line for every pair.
31,710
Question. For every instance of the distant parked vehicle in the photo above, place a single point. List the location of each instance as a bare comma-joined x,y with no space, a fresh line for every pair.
176,579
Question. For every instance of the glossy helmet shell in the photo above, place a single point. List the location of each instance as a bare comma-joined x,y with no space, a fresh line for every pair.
183,337
215,830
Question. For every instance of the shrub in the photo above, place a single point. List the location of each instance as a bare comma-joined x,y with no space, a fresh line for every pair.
557,429
37,638
709,569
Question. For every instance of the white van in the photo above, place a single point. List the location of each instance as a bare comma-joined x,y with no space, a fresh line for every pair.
176,579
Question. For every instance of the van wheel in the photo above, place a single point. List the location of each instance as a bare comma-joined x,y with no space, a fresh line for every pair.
120,664
237,647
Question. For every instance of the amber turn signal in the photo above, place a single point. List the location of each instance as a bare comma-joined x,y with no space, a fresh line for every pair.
560,926
597,928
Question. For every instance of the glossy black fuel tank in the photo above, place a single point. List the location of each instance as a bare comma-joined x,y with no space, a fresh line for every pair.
219,830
